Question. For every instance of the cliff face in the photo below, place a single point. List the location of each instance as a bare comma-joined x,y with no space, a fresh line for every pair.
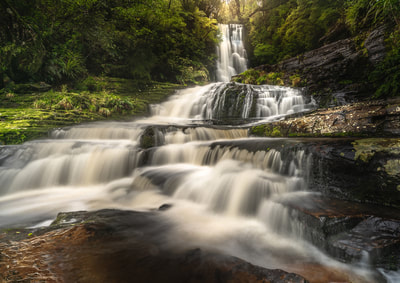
379,118
336,73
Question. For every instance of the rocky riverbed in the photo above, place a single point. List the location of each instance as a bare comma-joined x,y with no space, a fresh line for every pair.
117,246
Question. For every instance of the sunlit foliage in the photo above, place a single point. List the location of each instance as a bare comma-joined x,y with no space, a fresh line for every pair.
64,40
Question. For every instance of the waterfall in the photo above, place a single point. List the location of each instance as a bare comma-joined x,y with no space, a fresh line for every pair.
232,57
233,100
227,191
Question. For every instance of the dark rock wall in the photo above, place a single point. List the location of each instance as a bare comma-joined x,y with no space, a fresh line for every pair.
364,170
336,73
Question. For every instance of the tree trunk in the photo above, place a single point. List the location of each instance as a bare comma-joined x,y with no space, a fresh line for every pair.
238,10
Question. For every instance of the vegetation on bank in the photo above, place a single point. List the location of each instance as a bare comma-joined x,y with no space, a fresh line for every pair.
63,41
57,57
282,29
28,115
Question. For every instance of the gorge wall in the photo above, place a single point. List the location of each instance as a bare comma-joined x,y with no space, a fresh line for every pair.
334,74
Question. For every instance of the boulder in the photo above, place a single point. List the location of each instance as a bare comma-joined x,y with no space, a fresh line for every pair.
352,232
117,246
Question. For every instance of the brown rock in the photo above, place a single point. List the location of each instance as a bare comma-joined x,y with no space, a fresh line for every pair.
118,246
375,118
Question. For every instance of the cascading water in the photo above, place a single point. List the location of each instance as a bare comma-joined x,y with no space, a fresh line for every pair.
233,101
232,55
228,192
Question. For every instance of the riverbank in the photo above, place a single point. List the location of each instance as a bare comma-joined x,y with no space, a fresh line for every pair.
376,118
30,111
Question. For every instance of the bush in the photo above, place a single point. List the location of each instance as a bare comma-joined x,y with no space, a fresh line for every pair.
265,53
386,76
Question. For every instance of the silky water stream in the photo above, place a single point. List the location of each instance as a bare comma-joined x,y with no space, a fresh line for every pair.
227,192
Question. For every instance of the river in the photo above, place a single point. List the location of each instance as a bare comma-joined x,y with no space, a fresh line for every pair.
227,191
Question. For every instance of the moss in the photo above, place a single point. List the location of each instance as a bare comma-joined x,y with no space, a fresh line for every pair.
26,116
266,131
342,134
365,149
274,78
296,80
392,167
345,82
147,139
250,76
258,130
293,135
276,132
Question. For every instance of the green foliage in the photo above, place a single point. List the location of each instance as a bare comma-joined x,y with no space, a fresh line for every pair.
64,41
296,80
265,53
274,78
259,77
249,76
287,28
25,116
386,76
258,131
104,103
361,14
266,130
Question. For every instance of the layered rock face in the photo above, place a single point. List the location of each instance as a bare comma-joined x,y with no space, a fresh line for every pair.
363,119
336,73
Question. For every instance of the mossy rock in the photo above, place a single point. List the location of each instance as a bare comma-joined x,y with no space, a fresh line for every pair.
147,140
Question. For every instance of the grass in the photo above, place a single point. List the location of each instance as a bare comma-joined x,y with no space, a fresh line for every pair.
26,116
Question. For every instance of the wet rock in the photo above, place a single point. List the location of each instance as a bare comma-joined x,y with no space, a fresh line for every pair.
375,118
375,44
376,240
118,246
352,232
147,139
336,73
360,170
363,170
165,206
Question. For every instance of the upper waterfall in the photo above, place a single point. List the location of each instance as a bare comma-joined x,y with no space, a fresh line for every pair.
232,57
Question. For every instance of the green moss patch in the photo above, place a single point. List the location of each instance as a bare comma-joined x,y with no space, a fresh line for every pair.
365,149
26,116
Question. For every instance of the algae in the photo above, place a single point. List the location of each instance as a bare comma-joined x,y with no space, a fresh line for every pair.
365,149
392,167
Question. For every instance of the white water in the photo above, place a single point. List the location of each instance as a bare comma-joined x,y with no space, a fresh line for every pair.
232,55
224,197
227,101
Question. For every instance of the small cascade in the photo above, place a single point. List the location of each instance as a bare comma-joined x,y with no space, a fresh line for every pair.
234,101
110,131
277,100
229,186
225,191
295,163
52,164
231,53
173,135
